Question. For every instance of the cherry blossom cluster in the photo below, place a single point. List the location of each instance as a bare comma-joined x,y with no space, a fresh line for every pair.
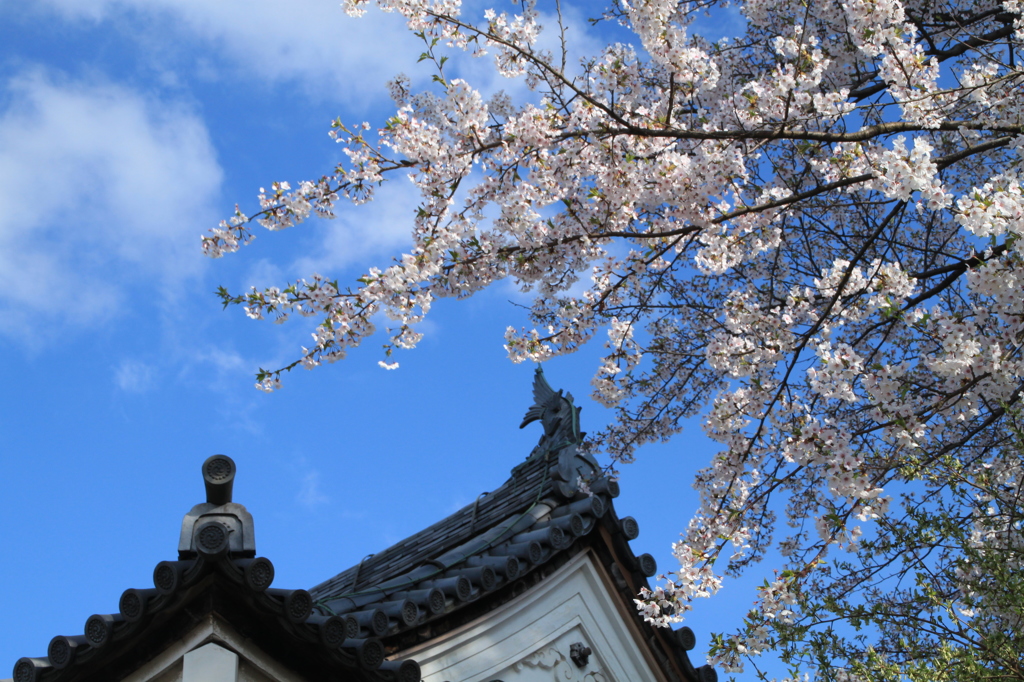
904,173
809,235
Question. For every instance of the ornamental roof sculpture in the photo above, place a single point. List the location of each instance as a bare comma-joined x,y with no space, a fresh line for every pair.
562,436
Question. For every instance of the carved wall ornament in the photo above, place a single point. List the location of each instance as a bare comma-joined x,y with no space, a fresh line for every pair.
580,654
561,669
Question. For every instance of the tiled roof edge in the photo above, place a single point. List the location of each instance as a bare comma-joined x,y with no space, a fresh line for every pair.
210,558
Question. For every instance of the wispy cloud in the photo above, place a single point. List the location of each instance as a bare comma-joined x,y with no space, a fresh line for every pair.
222,361
310,494
133,376
102,188
372,233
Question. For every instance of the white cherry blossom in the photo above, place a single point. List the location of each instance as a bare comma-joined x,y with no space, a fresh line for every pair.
810,235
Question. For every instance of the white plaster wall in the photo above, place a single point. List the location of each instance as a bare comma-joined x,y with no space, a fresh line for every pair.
210,663
528,639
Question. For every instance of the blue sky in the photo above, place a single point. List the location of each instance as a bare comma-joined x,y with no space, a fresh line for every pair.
127,129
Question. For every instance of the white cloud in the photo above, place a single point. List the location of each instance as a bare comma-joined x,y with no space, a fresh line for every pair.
311,41
369,234
264,273
222,361
104,189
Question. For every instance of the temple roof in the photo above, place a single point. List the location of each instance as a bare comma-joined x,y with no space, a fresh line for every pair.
449,541
554,505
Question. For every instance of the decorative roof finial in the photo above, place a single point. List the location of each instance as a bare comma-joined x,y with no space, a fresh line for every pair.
218,525
562,436
219,477
556,412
